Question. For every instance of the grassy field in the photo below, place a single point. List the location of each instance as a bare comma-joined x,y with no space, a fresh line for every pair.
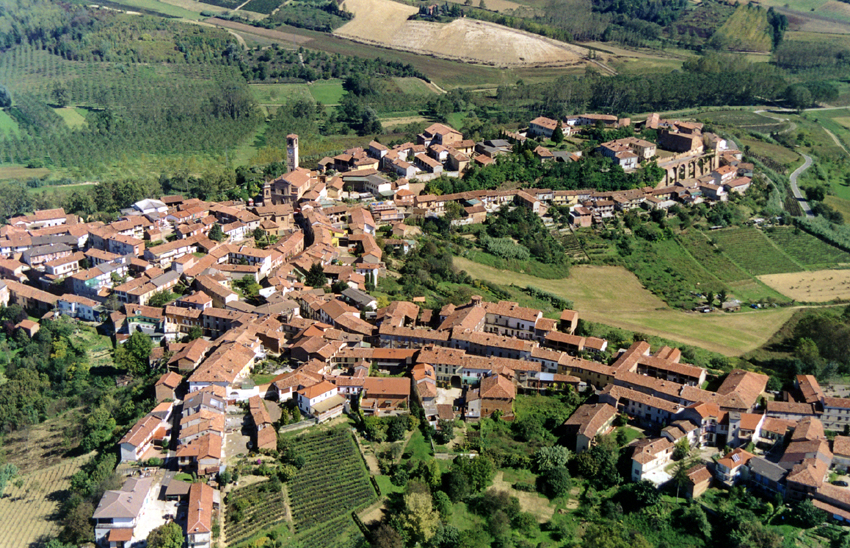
74,117
7,124
158,7
279,94
21,172
327,92
744,119
614,296
777,153
413,86
751,250
28,513
711,258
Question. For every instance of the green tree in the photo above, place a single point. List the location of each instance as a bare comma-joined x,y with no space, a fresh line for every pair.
697,520
556,482
558,134
386,537
7,472
169,535
5,98
808,515
60,95
162,298
217,234
133,356
97,429
195,332
316,276
682,450
547,458
419,519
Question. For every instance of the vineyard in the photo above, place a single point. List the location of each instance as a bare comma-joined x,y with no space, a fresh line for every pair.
806,249
711,258
27,513
333,483
252,509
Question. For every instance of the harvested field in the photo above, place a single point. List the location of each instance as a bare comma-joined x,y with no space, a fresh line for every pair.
27,512
463,39
37,447
815,286
613,296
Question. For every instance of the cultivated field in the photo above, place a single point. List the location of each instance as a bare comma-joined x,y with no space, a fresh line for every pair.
614,296
808,250
7,124
332,483
814,286
750,249
27,512
463,39
74,117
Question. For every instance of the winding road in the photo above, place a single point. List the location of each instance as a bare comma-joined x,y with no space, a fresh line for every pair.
804,205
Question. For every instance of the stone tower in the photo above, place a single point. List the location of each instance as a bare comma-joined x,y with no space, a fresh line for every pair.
292,151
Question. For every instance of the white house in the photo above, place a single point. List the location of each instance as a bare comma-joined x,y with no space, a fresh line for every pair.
118,512
146,207
141,436
322,401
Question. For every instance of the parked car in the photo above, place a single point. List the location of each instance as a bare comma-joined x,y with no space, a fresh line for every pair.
841,483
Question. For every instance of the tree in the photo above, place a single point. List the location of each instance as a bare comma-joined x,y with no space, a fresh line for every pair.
169,535
446,431
443,504
386,537
134,354
60,95
547,458
798,97
696,519
558,134
97,429
161,298
556,482
217,234
482,5
195,332
682,449
316,276
7,472
396,429
808,515
75,525
419,519
259,234
5,98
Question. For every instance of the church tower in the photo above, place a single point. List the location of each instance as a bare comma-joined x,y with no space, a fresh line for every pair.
292,151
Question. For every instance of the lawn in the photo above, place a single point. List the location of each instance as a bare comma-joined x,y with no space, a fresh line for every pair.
751,250
613,296
327,92
417,447
20,172
74,117
8,124
631,433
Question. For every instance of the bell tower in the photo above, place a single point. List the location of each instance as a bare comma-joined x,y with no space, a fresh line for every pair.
292,151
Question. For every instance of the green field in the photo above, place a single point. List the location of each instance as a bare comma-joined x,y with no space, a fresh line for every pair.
332,483
743,119
279,94
711,258
413,86
8,125
158,7
73,117
750,249
746,30
807,250
20,172
327,92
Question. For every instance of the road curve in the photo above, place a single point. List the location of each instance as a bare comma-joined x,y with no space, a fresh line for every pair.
804,205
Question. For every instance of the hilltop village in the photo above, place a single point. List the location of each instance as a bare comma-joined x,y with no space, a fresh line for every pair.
222,288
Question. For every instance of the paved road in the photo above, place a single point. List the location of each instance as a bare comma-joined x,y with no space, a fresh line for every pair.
804,205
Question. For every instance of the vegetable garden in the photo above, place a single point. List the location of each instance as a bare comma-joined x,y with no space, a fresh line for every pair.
332,483
253,509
